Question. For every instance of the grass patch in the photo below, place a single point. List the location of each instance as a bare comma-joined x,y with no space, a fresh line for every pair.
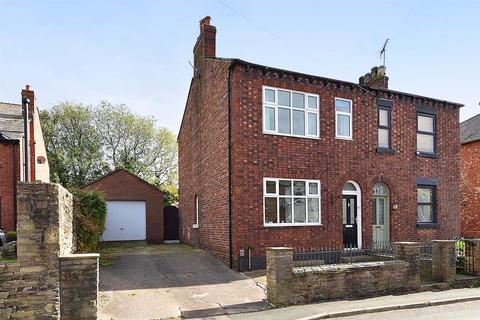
8,260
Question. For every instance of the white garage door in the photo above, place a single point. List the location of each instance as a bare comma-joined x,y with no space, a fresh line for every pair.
126,220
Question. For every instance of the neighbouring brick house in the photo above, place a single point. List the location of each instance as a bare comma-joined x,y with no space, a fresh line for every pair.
12,154
270,157
470,177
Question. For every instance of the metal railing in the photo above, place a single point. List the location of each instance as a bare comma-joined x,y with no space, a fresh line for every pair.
465,256
313,256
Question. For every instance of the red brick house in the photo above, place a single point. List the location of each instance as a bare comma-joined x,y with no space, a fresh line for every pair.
270,157
470,177
13,167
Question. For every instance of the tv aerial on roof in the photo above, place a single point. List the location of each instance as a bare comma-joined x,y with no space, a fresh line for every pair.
383,52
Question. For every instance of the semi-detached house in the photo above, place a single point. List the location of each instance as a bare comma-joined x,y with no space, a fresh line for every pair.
270,157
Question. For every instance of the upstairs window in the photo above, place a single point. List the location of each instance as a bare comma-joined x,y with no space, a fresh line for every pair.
196,225
343,118
290,113
291,202
384,128
425,133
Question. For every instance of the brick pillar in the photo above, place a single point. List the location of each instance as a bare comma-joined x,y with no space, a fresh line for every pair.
444,261
410,252
44,231
474,254
279,275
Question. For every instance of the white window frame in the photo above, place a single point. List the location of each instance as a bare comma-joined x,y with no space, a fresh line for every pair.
350,115
306,110
196,224
306,197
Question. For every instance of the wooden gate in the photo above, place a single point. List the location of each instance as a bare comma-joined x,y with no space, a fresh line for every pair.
171,224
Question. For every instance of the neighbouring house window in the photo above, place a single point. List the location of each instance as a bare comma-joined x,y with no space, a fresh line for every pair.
426,204
196,225
384,128
343,118
291,202
290,113
425,133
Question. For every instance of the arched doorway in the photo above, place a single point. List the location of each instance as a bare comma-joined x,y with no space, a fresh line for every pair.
381,214
352,215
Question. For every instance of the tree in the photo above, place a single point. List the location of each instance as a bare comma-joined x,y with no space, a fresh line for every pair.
73,146
84,142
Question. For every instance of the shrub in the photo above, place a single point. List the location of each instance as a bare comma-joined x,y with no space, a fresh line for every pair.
11,236
89,213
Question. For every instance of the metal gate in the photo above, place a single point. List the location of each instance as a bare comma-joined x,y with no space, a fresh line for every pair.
171,224
465,254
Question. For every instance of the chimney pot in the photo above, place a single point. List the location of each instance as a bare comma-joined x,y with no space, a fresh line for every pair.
27,87
375,78
204,22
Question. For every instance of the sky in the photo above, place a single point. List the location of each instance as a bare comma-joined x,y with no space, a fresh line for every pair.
137,52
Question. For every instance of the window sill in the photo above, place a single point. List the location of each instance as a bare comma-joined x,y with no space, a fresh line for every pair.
290,135
385,150
277,225
427,225
195,226
427,155
344,138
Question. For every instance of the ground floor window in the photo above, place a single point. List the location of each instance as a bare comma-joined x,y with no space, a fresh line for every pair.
291,202
426,204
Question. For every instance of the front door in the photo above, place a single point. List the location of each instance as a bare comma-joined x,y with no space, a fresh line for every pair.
381,232
350,236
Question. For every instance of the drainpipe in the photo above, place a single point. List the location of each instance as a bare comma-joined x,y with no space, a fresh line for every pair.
230,236
26,133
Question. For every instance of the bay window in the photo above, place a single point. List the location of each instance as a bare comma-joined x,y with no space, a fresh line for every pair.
290,113
291,202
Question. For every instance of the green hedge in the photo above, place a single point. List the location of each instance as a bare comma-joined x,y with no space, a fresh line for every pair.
89,213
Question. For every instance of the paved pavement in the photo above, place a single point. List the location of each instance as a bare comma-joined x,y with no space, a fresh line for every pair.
166,281
457,311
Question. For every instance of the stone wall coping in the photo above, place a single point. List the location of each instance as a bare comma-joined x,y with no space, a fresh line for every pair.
9,263
347,267
279,249
444,241
407,243
80,256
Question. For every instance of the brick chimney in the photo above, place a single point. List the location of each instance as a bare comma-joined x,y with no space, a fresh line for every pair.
376,78
30,95
205,46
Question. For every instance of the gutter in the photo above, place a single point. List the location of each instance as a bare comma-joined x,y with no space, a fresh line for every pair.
230,235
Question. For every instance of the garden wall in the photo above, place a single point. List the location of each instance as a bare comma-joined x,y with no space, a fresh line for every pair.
32,287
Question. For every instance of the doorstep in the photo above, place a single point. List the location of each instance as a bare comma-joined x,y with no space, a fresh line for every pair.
335,309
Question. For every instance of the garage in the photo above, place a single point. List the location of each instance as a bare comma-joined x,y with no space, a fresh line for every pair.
126,220
134,208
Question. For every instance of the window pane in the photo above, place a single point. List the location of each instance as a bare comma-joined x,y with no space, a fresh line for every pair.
344,210
343,125
299,210
425,143
270,210
349,187
312,124
312,188
299,188
285,187
312,102
352,210
313,210
283,120
270,95
383,117
285,210
342,105
270,119
425,123
299,122
374,206
284,98
381,211
383,137
271,187
298,100
424,195
425,213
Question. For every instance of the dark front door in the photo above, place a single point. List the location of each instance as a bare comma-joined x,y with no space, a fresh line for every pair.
349,207
171,223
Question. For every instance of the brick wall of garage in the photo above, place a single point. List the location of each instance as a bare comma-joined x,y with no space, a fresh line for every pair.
124,186
470,189
7,184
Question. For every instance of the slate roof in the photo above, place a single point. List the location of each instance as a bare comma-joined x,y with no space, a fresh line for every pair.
11,120
470,130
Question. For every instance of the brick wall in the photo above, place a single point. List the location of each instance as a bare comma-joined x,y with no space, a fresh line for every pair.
7,184
333,162
470,189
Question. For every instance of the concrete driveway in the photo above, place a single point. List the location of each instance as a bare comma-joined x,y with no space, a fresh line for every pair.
169,281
